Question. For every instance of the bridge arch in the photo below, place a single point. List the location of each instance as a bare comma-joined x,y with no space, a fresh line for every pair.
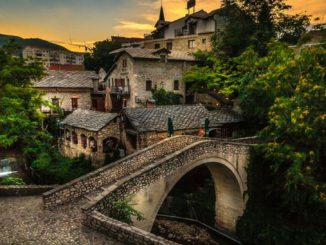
228,184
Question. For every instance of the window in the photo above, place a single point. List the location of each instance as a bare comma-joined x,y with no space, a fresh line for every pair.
83,141
148,85
204,41
124,63
55,102
68,136
176,85
191,44
157,46
74,138
164,57
94,104
92,144
169,46
74,103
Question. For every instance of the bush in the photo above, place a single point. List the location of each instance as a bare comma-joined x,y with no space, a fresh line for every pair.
163,97
12,181
123,211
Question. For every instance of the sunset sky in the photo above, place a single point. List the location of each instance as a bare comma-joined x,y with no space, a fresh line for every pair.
80,21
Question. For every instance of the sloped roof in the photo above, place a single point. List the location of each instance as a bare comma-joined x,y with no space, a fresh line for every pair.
224,116
141,53
184,117
89,120
67,79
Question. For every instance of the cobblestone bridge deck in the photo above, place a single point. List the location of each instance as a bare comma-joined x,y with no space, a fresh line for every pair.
23,220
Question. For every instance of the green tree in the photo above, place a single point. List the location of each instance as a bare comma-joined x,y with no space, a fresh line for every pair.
100,56
20,116
287,173
163,97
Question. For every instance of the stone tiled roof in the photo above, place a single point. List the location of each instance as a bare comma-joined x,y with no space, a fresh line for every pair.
67,79
184,117
224,116
89,120
142,53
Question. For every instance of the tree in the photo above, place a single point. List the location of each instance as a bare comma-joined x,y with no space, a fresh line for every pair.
287,172
20,116
255,23
100,56
162,97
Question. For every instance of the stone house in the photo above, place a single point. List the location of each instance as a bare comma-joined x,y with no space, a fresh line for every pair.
92,133
142,127
190,33
137,71
71,90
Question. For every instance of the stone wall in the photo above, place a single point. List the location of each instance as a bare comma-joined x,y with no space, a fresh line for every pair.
113,172
24,190
69,149
121,231
202,42
65,96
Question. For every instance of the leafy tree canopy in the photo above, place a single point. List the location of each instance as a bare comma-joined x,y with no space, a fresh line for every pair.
20,116
100,56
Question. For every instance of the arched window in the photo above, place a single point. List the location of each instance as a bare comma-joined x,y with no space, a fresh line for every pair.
68,135
74,138
110,144
92,144
83,141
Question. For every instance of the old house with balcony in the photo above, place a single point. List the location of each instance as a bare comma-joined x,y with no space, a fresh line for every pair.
190,33
92,133
142,127
137,71
71,90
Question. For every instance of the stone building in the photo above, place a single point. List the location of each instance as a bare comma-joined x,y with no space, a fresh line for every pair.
92,133
137,71
190,33
71,90
142,127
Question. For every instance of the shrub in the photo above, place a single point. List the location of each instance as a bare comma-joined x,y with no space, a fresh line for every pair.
12,181
123,211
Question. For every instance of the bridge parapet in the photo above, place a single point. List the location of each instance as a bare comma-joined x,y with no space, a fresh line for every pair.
109,174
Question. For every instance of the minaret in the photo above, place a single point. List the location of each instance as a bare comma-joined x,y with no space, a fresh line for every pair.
161,20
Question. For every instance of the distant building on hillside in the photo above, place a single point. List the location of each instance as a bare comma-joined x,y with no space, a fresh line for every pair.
71,90
54,59
190,33
138,71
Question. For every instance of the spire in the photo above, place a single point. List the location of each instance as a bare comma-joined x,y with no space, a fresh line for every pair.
162,18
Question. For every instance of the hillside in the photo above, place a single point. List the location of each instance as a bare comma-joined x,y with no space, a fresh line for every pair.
23,42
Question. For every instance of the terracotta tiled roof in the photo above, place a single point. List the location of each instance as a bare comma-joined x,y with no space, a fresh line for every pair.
184,117
67,79
89,120
142,53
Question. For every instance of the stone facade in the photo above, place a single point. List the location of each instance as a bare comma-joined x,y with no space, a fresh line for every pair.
65,97
24,190
138,72
74,149
190,43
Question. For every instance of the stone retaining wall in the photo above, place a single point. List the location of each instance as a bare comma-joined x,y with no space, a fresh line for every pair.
24,190
121,231
113,172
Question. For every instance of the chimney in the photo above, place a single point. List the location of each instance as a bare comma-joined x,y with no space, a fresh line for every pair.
96,82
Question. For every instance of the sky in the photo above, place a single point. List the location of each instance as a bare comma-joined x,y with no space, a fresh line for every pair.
87,21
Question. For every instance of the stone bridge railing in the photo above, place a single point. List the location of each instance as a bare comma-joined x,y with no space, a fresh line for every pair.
113,172
151,173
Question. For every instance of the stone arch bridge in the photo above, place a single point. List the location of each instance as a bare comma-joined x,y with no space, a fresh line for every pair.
149,175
